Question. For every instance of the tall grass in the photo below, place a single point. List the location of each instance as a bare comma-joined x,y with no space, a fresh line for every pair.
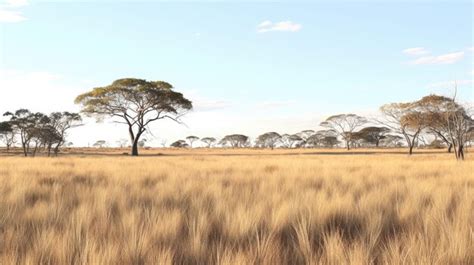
246,209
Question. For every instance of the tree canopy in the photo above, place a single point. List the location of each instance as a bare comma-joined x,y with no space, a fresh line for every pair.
136,103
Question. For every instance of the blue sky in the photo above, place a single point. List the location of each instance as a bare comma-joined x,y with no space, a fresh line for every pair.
248,67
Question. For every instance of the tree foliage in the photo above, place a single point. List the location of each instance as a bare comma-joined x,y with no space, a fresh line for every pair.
345,125
180,144
191,139
7,134
209,141
268,140
136,103
234,140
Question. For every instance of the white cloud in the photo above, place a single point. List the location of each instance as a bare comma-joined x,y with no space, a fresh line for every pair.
417,51
450,84
16,3
448,58
9,12
10,16
267,26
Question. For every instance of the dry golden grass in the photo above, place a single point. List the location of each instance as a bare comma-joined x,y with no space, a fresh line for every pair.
209,207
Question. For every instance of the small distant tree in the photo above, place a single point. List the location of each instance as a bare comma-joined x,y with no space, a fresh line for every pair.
318,138
345,125
7,134
163,142
290,140
191,139
136,103
268,140
305,134
373,134
122,142
63,122
235,140
142,143
329,141
209,141
391,140
180,144
100,144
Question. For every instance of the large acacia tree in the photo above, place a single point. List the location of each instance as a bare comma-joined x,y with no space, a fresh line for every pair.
136,103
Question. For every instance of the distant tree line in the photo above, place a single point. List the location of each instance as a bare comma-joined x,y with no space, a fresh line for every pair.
137,103
449,124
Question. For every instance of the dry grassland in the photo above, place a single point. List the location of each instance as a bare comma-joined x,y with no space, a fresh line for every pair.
202,207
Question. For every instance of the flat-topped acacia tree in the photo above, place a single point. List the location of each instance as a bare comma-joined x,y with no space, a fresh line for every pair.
136,103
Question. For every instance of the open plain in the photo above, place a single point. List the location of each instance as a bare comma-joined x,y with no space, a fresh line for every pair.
224,206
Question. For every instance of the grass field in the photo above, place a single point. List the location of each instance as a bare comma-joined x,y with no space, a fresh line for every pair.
237,207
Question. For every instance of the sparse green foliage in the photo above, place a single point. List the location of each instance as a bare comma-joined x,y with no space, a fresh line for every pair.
136,103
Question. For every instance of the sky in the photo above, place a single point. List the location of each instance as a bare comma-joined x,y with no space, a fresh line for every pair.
248,67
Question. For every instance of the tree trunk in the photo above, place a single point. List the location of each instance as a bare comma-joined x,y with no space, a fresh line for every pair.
459,152
49,149
410,152
135,141
56,150
135,148
23,144
450,147
348,145
36,149
25,151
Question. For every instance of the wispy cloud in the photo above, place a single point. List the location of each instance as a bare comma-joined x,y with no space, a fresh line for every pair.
9,12
267,26
203,103
275,104
417,51
450,84
448,58
16,3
